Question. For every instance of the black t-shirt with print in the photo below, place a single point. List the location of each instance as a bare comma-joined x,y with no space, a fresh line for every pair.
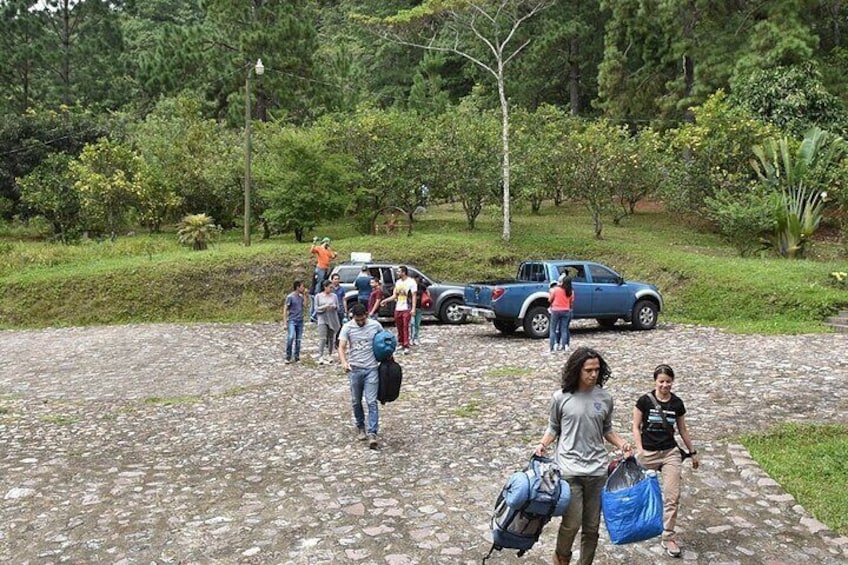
655,435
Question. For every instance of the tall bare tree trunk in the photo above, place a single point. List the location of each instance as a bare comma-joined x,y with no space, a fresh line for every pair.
505,138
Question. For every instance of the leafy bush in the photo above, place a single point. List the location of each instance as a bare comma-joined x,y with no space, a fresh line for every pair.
197,230
713,152
745,219
793,98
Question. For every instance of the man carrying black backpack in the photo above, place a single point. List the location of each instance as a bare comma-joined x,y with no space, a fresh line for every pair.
356,354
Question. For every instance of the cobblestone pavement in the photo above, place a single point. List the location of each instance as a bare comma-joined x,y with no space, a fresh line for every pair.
195,444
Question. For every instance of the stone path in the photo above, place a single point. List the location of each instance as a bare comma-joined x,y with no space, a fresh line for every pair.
172,444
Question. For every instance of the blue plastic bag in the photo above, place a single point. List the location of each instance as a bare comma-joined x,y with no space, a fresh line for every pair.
632,503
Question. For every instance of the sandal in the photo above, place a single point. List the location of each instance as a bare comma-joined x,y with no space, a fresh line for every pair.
671,548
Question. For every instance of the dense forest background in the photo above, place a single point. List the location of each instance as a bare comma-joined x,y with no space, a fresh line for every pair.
128,113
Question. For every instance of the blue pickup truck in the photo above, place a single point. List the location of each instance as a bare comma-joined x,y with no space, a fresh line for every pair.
599,293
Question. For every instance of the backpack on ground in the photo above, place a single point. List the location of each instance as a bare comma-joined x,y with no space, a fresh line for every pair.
385,343
526,503
390,374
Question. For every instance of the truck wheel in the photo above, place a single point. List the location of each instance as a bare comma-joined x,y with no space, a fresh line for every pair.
537,322
644,315
607,322
505,327
450,313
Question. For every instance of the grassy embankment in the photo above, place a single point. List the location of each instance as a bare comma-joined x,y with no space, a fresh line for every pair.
151,279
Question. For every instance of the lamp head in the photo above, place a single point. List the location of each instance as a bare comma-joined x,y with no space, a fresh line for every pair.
259,68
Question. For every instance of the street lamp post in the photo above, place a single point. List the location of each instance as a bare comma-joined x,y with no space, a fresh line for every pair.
259,68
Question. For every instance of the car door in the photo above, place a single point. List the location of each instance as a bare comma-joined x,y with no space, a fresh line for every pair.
582,307
608,296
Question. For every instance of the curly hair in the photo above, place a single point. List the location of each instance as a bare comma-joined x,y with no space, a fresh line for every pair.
571,370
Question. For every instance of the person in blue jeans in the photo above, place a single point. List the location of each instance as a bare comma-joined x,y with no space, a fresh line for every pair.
293,309
362,283
356,354
561,298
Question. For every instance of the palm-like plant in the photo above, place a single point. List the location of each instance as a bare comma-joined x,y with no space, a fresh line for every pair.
790,170
197,230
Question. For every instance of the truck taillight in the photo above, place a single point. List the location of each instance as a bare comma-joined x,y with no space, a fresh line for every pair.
498,292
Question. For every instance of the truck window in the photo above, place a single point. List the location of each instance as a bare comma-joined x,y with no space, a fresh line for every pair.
348,274
602,275
532,272
578,273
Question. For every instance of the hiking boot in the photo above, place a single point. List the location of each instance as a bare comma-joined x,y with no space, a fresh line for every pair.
372,441
360,434
671,548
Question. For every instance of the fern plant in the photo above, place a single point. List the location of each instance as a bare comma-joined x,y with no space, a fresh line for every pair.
197,230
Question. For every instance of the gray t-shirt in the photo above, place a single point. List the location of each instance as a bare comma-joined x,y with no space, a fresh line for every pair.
580,420
294,306
360,339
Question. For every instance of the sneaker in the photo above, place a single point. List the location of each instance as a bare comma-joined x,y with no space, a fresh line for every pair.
671,548
287,361
296,359
406,351
360,434
416,342
322,361
372,441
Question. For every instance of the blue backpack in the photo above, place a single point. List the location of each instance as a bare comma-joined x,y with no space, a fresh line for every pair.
526,503
385,343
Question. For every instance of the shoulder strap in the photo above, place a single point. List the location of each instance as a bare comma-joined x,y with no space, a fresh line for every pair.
662,413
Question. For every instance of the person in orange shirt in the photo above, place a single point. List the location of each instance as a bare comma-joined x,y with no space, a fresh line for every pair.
323,255
562,300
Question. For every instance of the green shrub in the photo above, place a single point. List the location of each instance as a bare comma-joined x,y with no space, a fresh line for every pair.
197,230
744,219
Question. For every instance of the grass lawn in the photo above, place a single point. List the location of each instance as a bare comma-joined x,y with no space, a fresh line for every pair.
150,278
809,462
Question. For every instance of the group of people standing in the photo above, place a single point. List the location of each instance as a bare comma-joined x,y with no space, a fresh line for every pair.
580,421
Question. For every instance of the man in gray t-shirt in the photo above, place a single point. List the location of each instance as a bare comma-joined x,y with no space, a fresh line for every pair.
580,421
356,353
